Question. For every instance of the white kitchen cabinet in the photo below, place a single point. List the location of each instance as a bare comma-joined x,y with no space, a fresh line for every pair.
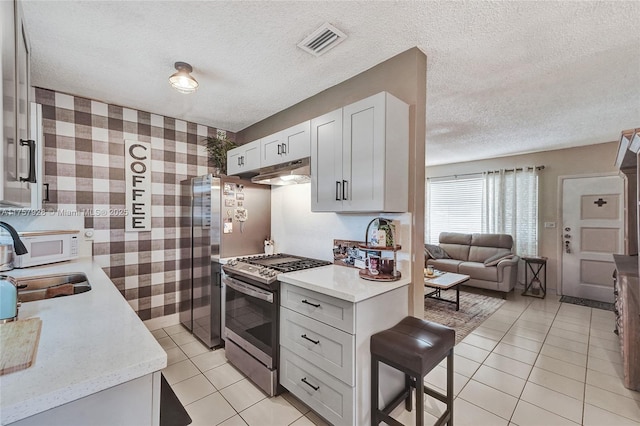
287,145
324,350
243,159
360,155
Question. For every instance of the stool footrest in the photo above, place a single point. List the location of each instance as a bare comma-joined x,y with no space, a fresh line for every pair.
437,395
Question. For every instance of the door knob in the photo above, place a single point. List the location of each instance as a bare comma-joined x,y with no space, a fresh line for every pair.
567,229
567,236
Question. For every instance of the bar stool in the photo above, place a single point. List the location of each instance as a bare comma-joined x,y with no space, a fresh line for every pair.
413,346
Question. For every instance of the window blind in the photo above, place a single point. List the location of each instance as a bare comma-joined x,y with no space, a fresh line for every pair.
453,206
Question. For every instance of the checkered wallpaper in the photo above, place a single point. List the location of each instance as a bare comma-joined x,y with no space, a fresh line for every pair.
84,167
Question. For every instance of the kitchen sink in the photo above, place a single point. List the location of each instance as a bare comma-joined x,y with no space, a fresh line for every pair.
49,286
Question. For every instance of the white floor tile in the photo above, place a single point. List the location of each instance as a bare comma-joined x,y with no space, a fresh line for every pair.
601,353
516,353
577,328
570,335
599,342
175,355
299,405
210,410
563,343
606,367
500,380
527,414
471,352
166,343
271,411
463,366
498,325
553,401
235,421
194,348
532,323
489,333
183,338
564,355
208,360
303,421
521,342
224,375
193,389
180,371
613,402
316,419
242,394
611,383
557,366
594,416
438,378
174,329
480,342
467,414
508,365
159,333
490,399
608,334
528,333
558,383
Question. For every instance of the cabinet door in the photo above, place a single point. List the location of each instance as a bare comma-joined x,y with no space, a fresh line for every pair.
326,162
8,97
244,158
297,141
26,164
271,147
363,151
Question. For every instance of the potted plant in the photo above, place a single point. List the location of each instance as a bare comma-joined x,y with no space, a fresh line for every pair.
217,147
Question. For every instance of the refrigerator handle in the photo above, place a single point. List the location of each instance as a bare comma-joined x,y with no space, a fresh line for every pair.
32,160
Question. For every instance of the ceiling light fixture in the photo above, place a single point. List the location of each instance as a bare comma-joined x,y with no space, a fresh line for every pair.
182,81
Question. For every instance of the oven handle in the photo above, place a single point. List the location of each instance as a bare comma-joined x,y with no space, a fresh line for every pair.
249,290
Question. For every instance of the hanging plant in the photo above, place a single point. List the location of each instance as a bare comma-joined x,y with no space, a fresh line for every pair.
217,148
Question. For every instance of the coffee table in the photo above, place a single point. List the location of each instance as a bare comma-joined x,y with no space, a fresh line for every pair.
446,281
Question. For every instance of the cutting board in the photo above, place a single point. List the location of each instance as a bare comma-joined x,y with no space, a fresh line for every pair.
19,343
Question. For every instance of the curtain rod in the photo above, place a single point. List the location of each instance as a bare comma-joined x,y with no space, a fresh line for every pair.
517,169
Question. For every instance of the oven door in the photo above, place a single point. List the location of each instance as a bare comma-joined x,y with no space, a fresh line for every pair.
251,319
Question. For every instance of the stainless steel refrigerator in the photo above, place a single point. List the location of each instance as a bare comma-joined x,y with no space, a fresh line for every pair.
221,218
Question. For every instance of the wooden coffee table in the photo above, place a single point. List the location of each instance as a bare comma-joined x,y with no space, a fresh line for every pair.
446,281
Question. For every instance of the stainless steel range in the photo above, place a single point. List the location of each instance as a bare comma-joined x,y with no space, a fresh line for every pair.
252,313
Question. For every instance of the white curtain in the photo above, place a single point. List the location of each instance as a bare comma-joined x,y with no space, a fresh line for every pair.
510,206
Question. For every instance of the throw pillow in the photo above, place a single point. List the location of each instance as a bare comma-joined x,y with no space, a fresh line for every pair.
493,260
435,252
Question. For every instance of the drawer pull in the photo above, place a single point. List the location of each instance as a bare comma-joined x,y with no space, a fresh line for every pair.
304,380
312,304
315,342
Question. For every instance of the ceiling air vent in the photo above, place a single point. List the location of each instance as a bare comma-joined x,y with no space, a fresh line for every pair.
322,40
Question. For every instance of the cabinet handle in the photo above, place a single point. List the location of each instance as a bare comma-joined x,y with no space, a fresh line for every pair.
315,342
284,148
304,380
239,158
345,189
279,149
305,301
32,160
338,190
46,192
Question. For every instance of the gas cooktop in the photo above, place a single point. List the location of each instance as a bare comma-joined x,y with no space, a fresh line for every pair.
265,268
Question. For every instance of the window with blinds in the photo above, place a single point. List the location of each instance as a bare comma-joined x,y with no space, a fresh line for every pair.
453,206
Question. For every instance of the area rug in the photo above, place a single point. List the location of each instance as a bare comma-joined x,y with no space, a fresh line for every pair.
474,309
587,302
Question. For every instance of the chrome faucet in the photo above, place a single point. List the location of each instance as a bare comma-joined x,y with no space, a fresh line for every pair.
17,243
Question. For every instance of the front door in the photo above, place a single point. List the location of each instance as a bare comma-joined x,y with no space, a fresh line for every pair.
592,231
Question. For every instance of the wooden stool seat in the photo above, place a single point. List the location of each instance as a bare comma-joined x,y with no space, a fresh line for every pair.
413,346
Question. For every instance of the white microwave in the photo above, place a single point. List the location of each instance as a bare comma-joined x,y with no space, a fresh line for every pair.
45,247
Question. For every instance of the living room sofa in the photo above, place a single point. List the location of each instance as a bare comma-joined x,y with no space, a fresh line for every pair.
487,258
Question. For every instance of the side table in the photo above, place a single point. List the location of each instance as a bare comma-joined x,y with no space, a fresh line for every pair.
535,286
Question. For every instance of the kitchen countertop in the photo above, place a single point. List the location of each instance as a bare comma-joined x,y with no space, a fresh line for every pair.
89,342
341,282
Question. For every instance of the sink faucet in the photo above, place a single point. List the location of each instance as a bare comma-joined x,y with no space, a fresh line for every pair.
17,243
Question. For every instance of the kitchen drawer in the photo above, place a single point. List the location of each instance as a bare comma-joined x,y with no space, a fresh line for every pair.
326,347
323,393
329,310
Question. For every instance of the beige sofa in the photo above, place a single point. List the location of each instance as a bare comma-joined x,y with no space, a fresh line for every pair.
487,258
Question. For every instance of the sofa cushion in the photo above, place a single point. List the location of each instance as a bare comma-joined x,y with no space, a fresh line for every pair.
456,251
504,241
445,265
435,252
480,254
493,260
454,238
478,271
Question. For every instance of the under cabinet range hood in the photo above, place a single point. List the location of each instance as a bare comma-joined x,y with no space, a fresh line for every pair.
289,173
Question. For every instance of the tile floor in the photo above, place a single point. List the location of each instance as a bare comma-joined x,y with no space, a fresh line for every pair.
532,363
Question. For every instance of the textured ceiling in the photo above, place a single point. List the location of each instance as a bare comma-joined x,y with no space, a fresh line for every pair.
502,77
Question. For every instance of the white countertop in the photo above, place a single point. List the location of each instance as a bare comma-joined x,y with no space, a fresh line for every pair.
89,342
340,282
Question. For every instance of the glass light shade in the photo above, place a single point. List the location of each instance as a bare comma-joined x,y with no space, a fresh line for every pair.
183,82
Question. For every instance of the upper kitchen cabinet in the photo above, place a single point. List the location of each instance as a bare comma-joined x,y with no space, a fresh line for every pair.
287,145
359,157
19,139
243,159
